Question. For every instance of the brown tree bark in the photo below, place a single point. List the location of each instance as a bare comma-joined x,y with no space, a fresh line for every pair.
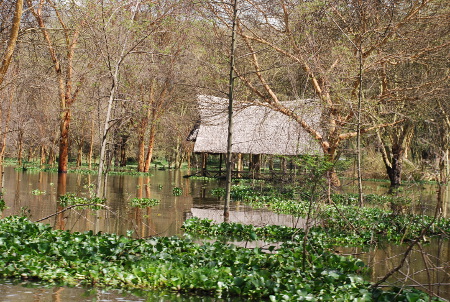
43,153
393,156
14,34
20,146
79,154
150,147
141,145
91,145
6,129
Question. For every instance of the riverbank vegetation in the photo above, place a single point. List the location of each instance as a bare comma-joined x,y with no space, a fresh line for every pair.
33,251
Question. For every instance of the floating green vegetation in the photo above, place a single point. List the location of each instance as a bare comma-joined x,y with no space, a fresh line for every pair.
135,173
34,167
176,191
32,251
37,192
205,178
70,199
345,221
144,202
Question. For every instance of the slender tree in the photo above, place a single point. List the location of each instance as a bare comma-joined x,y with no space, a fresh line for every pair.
68,87
12,40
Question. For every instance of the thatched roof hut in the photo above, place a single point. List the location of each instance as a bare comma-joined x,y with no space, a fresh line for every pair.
256,129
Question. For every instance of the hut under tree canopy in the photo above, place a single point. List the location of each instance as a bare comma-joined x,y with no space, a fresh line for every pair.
257,129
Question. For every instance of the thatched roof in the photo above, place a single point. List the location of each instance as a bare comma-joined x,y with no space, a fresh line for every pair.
256,129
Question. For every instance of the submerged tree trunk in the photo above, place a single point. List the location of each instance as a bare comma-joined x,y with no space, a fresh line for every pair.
151,145
64,142
393,156
20,147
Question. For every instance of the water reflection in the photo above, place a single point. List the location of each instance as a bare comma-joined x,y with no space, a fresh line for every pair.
35,195
36,292
427,267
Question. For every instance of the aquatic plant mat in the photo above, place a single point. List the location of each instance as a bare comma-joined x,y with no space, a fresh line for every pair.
302,268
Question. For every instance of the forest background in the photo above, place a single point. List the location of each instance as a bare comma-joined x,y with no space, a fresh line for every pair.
118,80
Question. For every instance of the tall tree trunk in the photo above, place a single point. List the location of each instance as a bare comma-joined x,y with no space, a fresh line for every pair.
64,142
393,158
13,35
6,129
151,144
43,153
91,145
20,147
64,78
123,151
51,157
178,156
106,128
142,129
79,154
141,153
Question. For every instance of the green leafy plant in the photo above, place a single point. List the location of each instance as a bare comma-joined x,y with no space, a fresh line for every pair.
218,192
144,202
35,251
176,191
70,199
37,192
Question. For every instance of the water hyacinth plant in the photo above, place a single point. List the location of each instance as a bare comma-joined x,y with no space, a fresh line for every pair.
71,199
176,191
33,251
144,202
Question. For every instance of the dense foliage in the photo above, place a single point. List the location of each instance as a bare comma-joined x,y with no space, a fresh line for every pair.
345,222
36,251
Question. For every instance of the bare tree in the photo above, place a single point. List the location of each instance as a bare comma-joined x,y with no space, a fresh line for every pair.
68,86
297,49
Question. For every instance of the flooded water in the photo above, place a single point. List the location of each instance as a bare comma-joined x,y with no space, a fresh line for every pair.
34,194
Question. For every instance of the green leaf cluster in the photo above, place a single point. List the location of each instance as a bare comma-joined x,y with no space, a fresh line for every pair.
176,191
71,199
144,202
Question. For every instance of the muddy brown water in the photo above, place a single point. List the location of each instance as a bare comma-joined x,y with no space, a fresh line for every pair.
34,194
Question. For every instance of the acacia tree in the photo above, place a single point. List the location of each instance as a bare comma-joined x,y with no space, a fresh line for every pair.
412,76
301,49
11,13
62,58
